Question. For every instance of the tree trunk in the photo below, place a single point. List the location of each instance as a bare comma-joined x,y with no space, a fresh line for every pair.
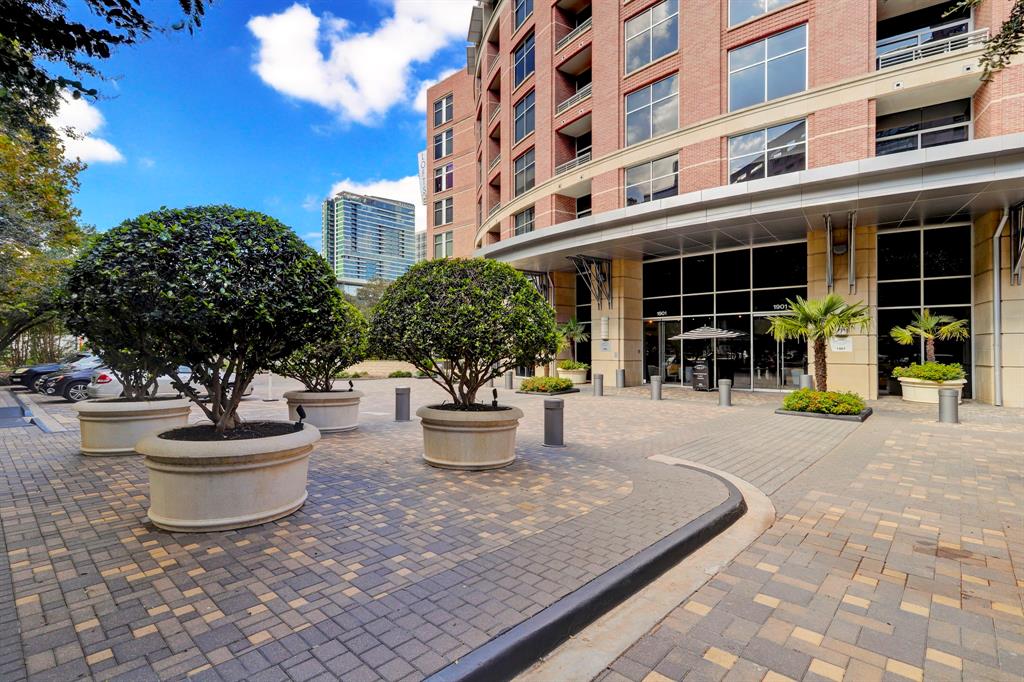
929,350
820,367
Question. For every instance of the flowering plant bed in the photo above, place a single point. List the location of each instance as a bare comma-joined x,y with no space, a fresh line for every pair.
826,405
547,386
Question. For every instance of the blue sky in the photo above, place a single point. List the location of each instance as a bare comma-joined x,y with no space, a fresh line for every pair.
270,106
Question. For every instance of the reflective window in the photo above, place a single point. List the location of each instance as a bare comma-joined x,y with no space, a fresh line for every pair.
444,177
698,274
444,244
443,143
768,69
444,211
732,270
768,152
524,116
524,172
444,110
652,34
652,110
661,278
652,180
524,221
779,266
931,126
523,60
523,9
741,10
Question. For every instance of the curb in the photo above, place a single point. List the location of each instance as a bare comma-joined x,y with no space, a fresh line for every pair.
516,649
37,414
861,416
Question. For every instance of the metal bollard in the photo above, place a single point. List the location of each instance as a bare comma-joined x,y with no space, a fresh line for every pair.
554,433
725,392
508,380
949,406
598,381
620,378
806,381
655,388
402,404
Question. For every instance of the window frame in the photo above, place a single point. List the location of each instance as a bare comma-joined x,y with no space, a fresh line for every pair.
752,17
916,134
516,6
527,226
446,241
763,65
445,207
627,111
447,109
765,150
528,111
444,177
650,34
528,168
651,180
517,58
446,140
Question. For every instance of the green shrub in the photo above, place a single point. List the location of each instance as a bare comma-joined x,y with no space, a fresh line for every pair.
352,375
572,364
337,341
545,384
823,402
400,374
483,316
931,371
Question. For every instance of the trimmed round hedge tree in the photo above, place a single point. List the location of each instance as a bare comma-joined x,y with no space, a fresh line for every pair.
463,322
337,341
226,291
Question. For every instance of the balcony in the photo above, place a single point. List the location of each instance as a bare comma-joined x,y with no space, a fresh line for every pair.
573,34
578,97
494,209
927,42
581,158
494,114
494,162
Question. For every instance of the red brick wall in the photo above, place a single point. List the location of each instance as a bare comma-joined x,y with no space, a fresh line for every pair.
460,84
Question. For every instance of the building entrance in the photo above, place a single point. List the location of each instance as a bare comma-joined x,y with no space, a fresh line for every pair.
777,364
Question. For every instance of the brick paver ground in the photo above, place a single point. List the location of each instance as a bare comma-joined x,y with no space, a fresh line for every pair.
899,555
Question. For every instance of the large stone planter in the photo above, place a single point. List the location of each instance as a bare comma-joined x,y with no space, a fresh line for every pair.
923,391
202,486
113,427
576,376
469,440
329,412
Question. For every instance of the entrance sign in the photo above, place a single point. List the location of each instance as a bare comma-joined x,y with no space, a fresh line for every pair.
700,375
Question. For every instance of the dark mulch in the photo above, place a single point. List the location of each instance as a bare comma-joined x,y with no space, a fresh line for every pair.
246,431
133,400
475,407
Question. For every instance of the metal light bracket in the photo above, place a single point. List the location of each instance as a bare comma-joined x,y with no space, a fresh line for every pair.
542,281
851,258
1016,244
829,241
597,273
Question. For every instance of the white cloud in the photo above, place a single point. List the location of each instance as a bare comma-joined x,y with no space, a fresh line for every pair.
363,73
403,189
83,119
420,103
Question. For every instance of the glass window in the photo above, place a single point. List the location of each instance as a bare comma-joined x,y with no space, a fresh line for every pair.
899,255
741,10
652,180
583,206
891,294
698,274
652,110
652,34
523,9
444,109
661,307
732,270
733,302
772,151
443,143
524,172
444,177
661,278
768,69
948,252
524,116
771,300
444,211
699,304
779,266
524,221
444,244
931,126
522,60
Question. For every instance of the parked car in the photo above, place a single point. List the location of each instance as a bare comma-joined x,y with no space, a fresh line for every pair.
104,384
30,376
69,383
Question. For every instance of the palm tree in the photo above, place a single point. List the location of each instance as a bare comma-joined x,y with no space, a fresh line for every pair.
574,332
818,320
929,327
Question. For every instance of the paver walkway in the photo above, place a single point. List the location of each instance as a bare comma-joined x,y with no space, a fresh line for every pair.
900,555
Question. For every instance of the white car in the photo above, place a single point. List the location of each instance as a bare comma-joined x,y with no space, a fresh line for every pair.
105,384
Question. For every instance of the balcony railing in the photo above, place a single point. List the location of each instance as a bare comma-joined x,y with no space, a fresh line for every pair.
492,61
494,209
581,158
494,114
580,95
493,163
573,34
920,46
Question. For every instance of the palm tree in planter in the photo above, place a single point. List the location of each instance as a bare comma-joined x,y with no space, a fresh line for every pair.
337,342
819,320
574,333
228,293
921,383
485,318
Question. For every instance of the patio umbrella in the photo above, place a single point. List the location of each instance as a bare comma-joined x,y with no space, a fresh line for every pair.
707,333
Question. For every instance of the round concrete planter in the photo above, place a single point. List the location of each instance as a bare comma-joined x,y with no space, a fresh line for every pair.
202,486
923,391
329,412
113,427
469,440
576,376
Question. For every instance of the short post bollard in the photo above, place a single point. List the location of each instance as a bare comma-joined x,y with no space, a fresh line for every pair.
402,404
620,378
805,381
725,392
598,381
508,380
949,406
554,434
655,388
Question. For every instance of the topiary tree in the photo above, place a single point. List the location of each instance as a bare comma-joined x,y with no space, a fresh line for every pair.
482,316
225,291
339,340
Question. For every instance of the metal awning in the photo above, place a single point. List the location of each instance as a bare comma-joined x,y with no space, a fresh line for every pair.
706,333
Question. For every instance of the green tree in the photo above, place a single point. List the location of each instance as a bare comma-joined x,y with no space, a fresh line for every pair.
338,340
573,331
1005,44
368,296
480,315
819,320
929,327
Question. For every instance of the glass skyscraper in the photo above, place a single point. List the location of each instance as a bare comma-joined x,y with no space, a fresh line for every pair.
367,237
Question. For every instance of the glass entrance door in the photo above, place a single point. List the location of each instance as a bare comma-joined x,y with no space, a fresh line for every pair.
662,355
777,365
